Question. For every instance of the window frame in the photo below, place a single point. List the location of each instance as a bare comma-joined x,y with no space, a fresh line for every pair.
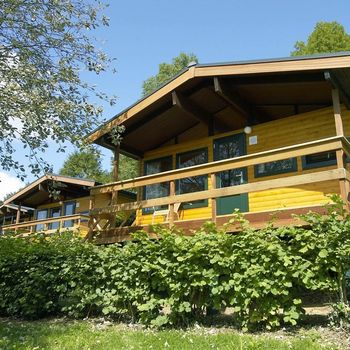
278,172
199,203
319,164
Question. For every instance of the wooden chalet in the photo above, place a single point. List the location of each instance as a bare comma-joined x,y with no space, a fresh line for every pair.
52,203
267,137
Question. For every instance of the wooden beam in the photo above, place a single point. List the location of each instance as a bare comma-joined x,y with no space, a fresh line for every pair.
196,111
221,88
171,205
116,163
337,113
213,200
18,216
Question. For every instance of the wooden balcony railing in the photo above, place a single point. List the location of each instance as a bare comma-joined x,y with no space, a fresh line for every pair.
44,224
337,144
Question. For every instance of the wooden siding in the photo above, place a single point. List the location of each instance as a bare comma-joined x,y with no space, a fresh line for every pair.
288,131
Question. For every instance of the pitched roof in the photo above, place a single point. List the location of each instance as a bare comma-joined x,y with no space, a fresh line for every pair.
31,195
197,72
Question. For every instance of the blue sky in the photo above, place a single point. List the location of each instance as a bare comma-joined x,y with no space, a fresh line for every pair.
143,34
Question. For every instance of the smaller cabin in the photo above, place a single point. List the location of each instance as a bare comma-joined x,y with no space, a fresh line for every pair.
52,203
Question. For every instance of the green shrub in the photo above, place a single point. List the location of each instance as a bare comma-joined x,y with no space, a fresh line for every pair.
177,279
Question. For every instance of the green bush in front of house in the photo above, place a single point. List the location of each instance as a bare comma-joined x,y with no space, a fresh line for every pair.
178,279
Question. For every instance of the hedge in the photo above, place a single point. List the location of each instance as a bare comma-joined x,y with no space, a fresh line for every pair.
177,279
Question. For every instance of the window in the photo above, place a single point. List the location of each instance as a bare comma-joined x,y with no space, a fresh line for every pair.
276,167
41,214
319,160
54,213
156,166
68,209
195,183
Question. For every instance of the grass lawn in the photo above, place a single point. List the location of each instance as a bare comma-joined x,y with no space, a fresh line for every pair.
67,335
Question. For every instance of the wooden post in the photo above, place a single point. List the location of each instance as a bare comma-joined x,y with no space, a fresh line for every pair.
18,216
116,163
171,206
340,154
213,200
337,113
90,233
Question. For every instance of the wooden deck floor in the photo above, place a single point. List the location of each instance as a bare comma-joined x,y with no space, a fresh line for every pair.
257,220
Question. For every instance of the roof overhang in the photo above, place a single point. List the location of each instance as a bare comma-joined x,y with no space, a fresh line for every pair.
273,87
39,191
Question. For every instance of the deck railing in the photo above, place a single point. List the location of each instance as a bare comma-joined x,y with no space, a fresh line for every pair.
43,225
337,144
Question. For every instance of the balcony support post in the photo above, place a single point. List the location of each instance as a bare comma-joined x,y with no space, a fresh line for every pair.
171,206
18,216
116,163
340,154
91,223
213,200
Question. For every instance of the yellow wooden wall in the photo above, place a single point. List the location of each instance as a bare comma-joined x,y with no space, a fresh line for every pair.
289,131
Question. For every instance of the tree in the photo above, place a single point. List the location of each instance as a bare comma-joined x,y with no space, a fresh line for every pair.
44,46
326,37
128,168
167,71
86,164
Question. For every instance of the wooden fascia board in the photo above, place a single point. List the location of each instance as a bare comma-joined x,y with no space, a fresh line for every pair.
318,63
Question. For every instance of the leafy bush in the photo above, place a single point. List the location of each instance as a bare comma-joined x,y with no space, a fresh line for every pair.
177,279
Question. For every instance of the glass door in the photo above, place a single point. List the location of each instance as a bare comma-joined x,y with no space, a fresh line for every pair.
224,148
54,213
41,214
69,209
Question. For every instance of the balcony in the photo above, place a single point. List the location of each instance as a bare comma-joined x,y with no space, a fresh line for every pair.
103,218
51,225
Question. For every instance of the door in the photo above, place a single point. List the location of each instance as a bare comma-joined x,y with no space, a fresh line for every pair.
54,213
69,209
41,214
224,148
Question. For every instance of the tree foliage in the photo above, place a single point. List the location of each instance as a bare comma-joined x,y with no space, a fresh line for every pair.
326,37
86,164
128,168
44,47
167,71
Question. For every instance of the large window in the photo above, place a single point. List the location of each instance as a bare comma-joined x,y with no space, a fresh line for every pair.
195,183
156,166
276,167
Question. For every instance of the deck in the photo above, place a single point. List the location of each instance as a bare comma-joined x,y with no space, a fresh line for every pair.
102,220
49,225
